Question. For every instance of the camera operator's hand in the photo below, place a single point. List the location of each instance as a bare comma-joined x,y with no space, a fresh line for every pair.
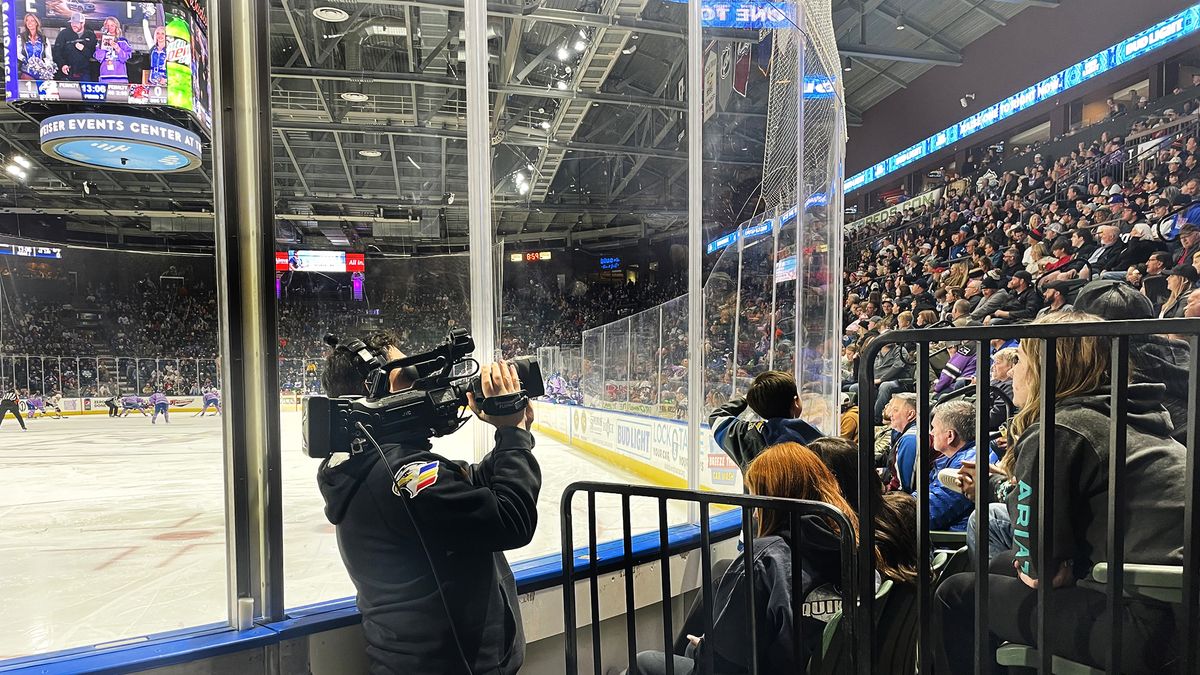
498,379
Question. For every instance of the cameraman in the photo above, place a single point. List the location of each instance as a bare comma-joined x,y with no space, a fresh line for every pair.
467,515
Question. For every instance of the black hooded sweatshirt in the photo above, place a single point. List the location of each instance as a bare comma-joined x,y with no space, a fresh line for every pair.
468,514
1154,483
820,577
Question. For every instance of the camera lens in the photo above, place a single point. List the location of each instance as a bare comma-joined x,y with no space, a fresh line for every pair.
529,373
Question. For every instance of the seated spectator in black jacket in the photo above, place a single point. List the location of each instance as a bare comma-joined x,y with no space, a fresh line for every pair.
1155,485
1023,303
1154,281
922,299
1156,358
1010,262
793,471
893,373
774,398
1139,246
1106,256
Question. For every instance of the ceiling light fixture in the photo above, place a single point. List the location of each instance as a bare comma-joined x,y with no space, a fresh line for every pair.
562,85
629,50
900,22
370,153
16,171
410,161
523,188
331,14
546,125
563,53
24,163
580,45
355,97
847,65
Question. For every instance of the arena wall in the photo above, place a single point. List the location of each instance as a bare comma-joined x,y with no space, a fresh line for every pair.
651,447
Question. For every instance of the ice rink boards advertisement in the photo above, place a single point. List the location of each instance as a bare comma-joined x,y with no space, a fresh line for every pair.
653,448
99,51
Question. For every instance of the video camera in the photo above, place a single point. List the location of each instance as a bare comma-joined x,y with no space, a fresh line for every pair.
431,406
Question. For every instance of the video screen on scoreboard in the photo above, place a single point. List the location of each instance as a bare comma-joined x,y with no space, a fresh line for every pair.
101,51
320,261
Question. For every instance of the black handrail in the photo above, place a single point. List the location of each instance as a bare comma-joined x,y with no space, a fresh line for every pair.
574,570
1046,335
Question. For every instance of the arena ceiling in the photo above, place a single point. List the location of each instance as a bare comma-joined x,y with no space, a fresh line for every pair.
370,125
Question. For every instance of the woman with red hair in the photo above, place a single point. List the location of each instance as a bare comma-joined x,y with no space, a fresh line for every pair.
786,470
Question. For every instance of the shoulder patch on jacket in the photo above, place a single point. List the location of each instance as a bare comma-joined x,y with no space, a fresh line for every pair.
414,477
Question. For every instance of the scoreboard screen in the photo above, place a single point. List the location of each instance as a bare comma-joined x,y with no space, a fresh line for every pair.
320,261
118,52
531,256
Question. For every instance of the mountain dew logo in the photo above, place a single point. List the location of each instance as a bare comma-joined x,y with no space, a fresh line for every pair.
179,50
179,63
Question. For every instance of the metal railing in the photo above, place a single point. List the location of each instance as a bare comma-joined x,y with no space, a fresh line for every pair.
1047,336
590,568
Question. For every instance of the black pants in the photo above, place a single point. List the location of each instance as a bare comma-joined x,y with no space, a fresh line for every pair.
113,411
11,407
1079,617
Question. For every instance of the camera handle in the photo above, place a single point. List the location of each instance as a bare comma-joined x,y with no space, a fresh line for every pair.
437,579
504,404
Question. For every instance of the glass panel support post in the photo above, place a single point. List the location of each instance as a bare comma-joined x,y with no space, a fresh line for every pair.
695,252
479,193
245,245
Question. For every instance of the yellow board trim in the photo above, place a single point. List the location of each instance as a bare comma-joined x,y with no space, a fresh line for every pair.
650,474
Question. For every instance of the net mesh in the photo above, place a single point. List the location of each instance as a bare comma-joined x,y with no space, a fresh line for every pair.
771,300
804,55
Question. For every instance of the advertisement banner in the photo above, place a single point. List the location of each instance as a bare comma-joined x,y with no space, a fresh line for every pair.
930,197
655,443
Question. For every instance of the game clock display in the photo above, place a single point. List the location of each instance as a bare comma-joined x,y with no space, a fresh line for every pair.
131,53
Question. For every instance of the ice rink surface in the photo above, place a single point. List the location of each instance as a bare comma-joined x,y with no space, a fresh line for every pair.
115,528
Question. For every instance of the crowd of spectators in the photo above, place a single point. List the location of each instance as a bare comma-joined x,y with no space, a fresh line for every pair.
1108,232
1012,248
160,331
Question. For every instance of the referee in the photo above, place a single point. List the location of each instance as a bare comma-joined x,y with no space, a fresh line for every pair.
9,402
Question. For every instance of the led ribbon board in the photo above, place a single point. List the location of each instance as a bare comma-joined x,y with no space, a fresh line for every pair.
1169,30
120,143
